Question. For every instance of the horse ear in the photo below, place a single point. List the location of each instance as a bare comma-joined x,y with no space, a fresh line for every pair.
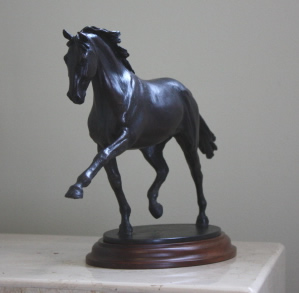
82,37
67,35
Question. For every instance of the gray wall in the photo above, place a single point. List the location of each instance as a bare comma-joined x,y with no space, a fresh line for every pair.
240,60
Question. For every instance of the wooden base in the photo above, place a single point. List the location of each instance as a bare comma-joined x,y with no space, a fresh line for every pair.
158,256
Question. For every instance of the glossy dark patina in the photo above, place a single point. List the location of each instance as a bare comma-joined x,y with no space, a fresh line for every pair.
131,113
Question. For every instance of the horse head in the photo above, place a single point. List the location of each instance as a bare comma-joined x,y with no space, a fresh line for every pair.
92,49
81,63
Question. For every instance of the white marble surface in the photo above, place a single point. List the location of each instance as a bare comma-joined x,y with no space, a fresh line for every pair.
44,263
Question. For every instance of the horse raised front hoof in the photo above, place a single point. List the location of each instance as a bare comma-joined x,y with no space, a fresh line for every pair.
74,192
156,210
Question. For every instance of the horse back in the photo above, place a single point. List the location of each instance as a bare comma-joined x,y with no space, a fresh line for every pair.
166,108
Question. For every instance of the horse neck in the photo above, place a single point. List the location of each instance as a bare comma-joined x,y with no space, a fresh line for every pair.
112,81
112,89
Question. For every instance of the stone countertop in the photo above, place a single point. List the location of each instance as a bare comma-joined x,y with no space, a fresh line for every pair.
43,263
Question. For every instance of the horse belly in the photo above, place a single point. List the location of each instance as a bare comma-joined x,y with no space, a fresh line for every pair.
158,127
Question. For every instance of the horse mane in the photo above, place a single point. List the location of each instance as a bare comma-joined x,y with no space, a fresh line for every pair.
112,38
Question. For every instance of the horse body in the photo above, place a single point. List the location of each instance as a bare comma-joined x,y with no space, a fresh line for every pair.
150,119
130,113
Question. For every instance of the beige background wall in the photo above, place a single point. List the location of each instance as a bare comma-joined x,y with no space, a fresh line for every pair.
241,61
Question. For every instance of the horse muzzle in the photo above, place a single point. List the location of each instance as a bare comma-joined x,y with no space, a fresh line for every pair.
76,99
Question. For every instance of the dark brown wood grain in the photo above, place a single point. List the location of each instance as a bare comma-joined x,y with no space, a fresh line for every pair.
157,256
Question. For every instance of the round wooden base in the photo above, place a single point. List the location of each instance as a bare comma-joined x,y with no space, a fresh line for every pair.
161,255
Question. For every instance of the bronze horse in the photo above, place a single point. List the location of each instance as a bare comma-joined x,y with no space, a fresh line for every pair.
131,113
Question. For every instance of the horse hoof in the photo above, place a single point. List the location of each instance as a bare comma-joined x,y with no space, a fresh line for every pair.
125,230
202,221
74,192
156,210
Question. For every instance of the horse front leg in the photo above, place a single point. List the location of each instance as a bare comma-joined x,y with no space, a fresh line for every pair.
100,160
114,178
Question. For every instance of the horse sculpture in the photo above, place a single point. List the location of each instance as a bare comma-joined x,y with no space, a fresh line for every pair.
131,113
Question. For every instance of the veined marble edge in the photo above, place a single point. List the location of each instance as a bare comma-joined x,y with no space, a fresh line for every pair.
94,287
87,286
265,272
133,288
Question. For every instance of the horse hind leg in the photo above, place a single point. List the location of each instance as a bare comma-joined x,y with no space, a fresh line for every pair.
114,178
154,155
192,159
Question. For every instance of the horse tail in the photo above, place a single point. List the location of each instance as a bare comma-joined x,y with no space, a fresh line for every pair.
206,139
